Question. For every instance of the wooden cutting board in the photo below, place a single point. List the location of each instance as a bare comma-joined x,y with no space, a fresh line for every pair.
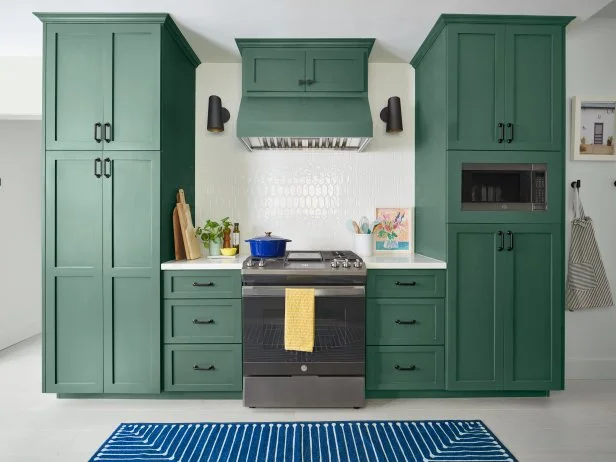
191,243
178,240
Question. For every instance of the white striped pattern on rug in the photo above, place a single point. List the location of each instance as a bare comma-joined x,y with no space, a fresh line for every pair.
408,441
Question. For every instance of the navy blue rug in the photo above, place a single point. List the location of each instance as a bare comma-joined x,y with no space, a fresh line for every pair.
409,441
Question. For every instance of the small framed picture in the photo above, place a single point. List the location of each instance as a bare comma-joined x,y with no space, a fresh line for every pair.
394,232
593,125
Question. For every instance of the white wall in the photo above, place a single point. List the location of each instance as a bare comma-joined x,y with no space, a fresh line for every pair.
306,197
20,230
21,87
591,335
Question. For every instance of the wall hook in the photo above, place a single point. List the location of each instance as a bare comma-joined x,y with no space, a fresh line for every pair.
576,184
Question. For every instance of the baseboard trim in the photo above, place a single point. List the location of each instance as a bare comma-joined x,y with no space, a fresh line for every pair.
590,369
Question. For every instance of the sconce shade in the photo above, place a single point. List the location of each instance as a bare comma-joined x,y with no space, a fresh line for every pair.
392,115
217,116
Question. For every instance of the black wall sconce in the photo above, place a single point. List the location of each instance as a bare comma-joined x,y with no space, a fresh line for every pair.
217,116
392,115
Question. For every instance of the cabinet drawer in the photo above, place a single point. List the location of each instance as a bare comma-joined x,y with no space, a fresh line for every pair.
405,283
203,321
203,367
399,321
203,284
405,368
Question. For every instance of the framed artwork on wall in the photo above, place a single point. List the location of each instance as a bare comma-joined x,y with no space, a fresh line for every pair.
593,126
394,233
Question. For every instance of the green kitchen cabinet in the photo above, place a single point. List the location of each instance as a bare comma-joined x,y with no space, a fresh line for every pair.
505,80
504,316
304,67
73,297
109,194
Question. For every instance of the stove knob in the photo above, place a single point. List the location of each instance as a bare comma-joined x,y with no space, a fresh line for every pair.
345,263
261,263
357,263
334,264
250,263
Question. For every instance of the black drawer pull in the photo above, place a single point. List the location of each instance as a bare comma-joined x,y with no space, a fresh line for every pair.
400,368
202,284
98,167
198,321
412,283
412,321
209,368
510,247
107,132
310,82
302,81
97,129
502,132
501,246
510,127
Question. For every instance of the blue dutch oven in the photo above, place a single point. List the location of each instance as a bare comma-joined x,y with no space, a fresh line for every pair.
268,246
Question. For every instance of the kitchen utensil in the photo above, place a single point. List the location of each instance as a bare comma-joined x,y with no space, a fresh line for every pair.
374,225
350,227
191,244
356,227
228,251
364,226
268,246
178,240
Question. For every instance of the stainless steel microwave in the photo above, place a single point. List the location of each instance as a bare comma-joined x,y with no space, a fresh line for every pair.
504,187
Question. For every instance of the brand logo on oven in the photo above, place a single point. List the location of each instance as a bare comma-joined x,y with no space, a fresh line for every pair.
303,368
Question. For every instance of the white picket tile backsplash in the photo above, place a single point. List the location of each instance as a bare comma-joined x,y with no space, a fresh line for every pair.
303,196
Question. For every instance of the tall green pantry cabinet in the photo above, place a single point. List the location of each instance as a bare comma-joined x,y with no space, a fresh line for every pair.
490,90
119,110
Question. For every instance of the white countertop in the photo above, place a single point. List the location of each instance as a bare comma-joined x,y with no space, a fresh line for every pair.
407,261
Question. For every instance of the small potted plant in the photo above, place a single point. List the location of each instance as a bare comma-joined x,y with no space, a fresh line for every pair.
610,140
211,234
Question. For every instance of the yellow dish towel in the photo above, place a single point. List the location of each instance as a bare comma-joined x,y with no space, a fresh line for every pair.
299,320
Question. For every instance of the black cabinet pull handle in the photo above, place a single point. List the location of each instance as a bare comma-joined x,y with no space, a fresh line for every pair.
97,167
97,128
198,321
202,284
502,132
502,241
412,321
196,367
302,81
107,132
510,127
310,82
412,367
107,163
412,283
510,247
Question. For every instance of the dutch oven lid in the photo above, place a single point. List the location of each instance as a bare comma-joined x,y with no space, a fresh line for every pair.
268,237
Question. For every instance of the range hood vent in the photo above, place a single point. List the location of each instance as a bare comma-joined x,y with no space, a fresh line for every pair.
305,144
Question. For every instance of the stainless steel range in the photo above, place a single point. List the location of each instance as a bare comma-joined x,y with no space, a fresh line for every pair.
333,374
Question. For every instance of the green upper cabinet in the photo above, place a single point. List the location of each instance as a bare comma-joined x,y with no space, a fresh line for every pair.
74,86
304,67
273,70
102,86
505,80
335,70
476,68
534,93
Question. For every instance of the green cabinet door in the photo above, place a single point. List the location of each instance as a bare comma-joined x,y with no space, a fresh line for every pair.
132,87
333,69
533,318
474,315
131,275
273,70
73,347
475,86
74,83
534,92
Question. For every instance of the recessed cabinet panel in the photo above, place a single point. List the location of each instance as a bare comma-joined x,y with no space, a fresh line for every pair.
336,70
132,92
274,70
74,85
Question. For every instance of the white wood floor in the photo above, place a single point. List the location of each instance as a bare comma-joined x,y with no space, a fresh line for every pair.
578,424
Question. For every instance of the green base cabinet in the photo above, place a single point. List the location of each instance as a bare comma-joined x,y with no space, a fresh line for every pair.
110,185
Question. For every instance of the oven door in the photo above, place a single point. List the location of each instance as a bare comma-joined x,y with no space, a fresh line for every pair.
339,347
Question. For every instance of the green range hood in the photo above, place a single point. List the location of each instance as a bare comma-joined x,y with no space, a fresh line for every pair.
305,123
302,94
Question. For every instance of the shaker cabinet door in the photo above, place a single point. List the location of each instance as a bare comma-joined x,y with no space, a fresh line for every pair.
273,70
74,85
475,87
335,70
73,323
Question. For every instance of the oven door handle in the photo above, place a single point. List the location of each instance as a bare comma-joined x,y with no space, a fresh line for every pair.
329,291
